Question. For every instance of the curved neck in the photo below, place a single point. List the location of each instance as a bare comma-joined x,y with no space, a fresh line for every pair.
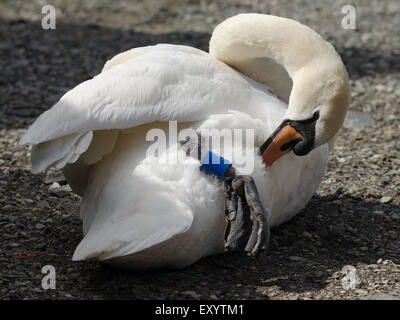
269,49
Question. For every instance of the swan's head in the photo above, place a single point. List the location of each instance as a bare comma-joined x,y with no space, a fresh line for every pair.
317,107
319,98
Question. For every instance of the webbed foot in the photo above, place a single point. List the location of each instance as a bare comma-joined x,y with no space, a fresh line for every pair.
247,227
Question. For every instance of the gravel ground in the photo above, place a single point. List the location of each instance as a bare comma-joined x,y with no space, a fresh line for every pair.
354,219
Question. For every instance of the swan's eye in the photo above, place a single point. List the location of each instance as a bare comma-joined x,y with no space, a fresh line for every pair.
316,115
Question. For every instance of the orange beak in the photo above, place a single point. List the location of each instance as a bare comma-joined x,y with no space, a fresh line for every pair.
281,144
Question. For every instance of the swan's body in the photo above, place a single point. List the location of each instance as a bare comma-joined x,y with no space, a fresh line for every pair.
137,212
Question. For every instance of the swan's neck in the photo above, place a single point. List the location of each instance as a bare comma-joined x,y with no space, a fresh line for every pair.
269,49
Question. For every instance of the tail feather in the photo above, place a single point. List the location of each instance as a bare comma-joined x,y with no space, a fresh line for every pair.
59,152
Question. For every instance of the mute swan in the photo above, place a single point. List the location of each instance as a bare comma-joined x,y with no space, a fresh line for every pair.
138,213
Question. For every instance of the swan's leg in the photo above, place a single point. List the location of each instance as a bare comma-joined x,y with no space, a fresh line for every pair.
259,239
238,227
247,227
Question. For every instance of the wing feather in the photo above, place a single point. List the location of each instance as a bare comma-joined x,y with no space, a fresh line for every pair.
166,83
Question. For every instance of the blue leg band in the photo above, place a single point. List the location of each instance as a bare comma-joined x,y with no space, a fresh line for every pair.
212,164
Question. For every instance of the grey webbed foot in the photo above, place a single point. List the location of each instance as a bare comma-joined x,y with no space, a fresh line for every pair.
247,227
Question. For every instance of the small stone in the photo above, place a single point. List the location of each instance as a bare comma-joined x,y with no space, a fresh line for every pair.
306,234
191,294
386,199
395,216
56,190
339,228
39,226
75,275
12,219
57,176
6,156
42,204
358,120
361,292
7,208
54,185
393,247
296,259
386,179
353,189
392,235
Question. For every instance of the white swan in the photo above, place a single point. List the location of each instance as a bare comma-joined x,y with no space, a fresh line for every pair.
138,213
